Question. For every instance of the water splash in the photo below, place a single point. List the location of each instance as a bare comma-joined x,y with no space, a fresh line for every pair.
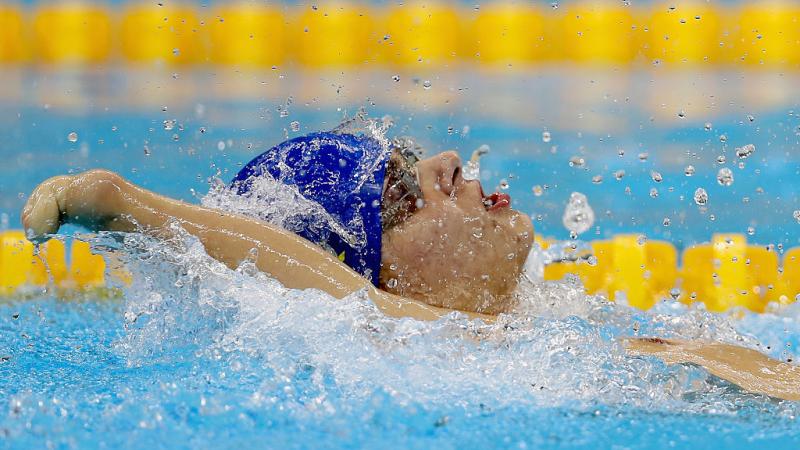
578,214
207,348
560,346
472,170
700,197
745,151
725,176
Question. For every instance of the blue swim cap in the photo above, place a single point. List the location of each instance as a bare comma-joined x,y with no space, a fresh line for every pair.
344,174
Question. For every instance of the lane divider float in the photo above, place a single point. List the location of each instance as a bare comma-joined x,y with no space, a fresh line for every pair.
21,267
72,33
418,34
161,34
12,34
723,274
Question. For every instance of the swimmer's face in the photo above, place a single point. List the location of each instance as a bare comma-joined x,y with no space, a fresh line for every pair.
461,249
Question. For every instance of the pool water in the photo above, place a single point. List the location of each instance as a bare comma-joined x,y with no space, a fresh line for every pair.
197,355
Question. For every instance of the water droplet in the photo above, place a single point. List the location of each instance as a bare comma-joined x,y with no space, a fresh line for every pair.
656,176
681,114
426,84
597,179
750,118
146,150
504,184
169,124
295,126
641,239
707,126
395,78
796,215
751,231
619,174
591,260
472,170
666,222
700,197
545,136
576,161
723,138
745,151
392,283
72,137
221,145
725,177
176,51
688,170
578,215
643,156
538,191
721,159
653,192
621,153
675,293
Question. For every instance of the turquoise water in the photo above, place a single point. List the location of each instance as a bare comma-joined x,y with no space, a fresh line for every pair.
197,355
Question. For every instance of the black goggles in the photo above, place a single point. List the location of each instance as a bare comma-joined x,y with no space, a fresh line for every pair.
402,195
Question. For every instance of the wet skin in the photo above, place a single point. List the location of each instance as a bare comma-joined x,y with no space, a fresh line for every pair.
454,252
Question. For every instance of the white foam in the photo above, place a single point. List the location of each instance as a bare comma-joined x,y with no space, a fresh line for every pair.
560,348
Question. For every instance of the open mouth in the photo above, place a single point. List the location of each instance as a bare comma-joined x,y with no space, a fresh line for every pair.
496,201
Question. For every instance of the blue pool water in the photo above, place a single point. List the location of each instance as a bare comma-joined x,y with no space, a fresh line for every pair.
197,355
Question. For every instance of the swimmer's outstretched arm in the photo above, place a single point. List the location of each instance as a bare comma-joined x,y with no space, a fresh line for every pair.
749,369
102,200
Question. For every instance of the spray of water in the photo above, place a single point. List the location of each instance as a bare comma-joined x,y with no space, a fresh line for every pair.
559,348
318,357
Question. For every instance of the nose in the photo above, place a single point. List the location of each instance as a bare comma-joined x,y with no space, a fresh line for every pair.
448,171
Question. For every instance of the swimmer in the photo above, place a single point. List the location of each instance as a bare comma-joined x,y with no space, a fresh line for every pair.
417,236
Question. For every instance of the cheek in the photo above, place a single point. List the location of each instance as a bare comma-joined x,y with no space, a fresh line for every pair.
404,250
448,243
523,234
424,247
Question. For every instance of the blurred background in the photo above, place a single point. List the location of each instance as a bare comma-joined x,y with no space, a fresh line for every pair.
636,104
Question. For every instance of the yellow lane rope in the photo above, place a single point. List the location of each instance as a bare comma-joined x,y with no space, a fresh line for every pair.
724,274
412,35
